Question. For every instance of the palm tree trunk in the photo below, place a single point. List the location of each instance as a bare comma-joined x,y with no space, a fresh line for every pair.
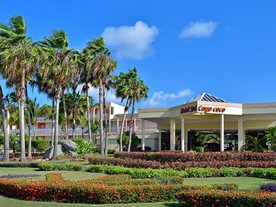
34,131
82,133
29,125
74,122
106,123
123,123
21,94
101,117
65,115
5,126
56,121
131,123
89,117
53,122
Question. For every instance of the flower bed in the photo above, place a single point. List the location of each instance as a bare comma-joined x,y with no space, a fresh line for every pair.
269,187
96,191
198,198
139,163
178,156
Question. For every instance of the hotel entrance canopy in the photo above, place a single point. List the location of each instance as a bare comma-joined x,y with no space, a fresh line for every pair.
208,112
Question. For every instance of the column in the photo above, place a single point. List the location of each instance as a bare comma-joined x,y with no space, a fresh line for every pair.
159,140
222,133
186,140
183,134
117,125
143,134
172,134
240,133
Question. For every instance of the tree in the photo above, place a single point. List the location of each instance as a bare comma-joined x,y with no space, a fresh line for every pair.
123,87
4,125
271,137
56,66
253,144
104,65
18,57
125,140
33,110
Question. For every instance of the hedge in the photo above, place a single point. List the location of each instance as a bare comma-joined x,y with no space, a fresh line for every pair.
95,191
139,163
178,156
200,198
269,173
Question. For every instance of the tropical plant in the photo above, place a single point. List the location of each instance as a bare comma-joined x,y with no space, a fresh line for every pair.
56,66
125,141
271,137
39,144
254,144
18,60
139,91
104,65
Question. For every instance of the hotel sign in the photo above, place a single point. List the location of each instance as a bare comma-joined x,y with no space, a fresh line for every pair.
202,108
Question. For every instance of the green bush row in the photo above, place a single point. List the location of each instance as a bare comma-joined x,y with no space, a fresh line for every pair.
49,166
269,173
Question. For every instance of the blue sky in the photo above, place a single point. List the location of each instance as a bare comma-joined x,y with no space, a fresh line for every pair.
180,48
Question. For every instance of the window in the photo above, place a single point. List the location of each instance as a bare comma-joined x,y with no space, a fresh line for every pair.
112,110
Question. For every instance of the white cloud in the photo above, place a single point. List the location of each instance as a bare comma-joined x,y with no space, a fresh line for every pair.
198,29
131,41
94,92
159,98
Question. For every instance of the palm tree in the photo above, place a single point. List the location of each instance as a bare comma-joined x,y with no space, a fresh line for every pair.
139,91
4,125
56,67
271,137
103,66
123,90
18,57
253,143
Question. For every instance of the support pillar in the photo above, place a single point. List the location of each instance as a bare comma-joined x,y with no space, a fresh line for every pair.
143,134
222,133
182,134
159,140
172,134
240,133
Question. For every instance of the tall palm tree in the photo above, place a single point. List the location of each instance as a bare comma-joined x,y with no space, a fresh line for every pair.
4,125
124,90
89,55
18,57
271,137
139,92
104,65
57,68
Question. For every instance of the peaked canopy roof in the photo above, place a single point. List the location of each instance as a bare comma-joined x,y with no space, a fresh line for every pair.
207,97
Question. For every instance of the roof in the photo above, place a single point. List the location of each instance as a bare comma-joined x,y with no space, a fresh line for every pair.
207,97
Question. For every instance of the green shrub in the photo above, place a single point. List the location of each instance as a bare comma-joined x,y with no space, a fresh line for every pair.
199,149
84,148
49,166
40,144
201,172
136,173
230,172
